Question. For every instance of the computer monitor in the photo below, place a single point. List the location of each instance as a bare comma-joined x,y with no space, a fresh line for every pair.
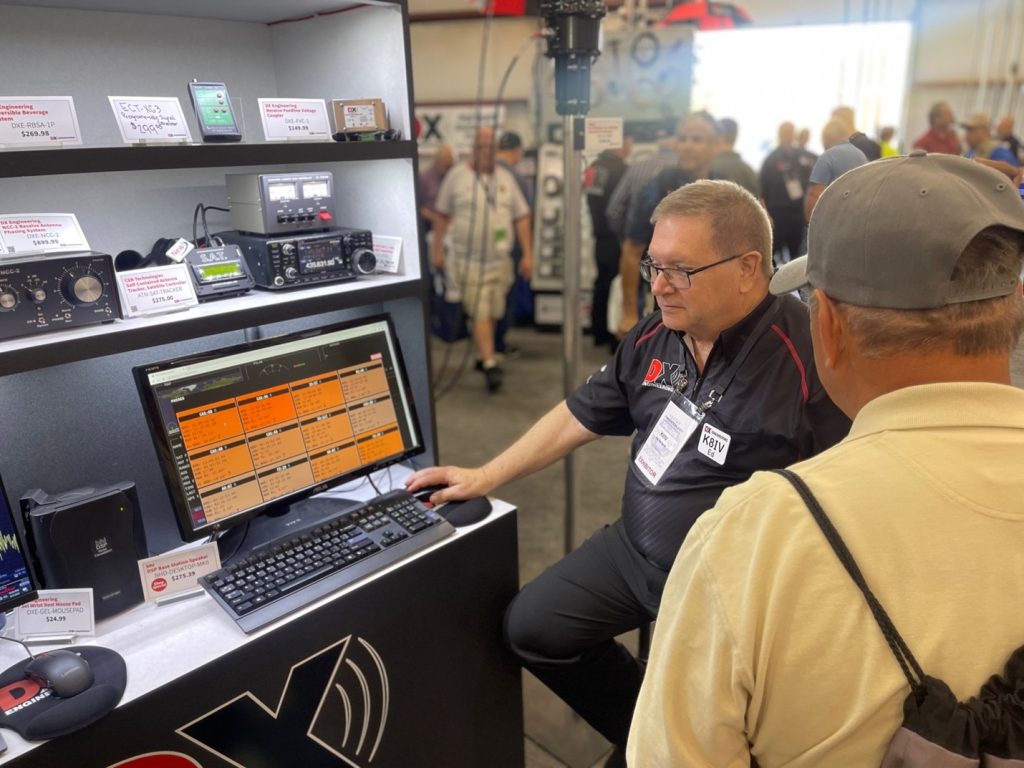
249,429
17,586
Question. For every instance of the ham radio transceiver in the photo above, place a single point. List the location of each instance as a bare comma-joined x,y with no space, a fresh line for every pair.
293,261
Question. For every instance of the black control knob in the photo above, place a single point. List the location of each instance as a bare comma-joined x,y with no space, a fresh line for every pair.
81,286
36,294
8,298
365,261
291,273
288,249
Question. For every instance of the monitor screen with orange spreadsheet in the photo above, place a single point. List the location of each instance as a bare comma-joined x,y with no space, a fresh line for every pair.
244,430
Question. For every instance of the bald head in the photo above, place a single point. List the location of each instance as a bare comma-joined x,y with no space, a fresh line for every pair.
834,132
787,134
444,159
845,116
483,150
1004,128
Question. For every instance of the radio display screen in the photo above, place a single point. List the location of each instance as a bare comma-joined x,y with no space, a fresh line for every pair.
278,192
315,189
324,256
209,273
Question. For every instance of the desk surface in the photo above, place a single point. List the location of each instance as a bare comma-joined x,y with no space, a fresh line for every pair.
161,644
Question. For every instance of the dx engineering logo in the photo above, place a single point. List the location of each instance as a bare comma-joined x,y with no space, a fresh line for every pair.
664,375
333,710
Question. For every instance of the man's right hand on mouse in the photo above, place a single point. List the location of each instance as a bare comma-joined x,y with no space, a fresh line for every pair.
458,483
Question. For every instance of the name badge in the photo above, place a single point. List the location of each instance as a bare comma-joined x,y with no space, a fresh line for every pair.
666,440
794,189
713,443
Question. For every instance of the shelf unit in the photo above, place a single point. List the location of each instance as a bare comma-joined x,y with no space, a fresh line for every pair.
68,398
47,162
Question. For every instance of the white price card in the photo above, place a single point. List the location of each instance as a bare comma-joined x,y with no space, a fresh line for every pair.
389,253
57,612
22,233
177,571
294,119
155,290
150,119
601,133
31,121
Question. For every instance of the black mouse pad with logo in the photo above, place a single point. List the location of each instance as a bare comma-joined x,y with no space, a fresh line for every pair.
36,713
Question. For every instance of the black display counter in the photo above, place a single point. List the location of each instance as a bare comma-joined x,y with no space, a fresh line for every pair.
404,669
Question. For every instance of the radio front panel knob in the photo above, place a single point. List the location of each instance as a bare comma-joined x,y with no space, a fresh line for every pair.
36,294
365,261
8,298
81,286
288,249
291,273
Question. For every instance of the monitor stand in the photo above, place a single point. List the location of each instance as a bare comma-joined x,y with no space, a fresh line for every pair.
281,521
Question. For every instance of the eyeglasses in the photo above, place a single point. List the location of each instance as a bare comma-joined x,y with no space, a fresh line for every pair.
677,277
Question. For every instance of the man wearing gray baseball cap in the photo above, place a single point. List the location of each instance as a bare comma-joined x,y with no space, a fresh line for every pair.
765,648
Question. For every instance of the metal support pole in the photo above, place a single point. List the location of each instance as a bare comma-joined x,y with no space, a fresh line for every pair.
574,31
571,304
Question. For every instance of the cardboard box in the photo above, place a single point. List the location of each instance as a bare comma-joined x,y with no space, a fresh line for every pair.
358,115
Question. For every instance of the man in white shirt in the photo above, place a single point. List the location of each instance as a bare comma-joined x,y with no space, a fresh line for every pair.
482,213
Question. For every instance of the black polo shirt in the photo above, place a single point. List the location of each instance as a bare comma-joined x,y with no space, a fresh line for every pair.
775,411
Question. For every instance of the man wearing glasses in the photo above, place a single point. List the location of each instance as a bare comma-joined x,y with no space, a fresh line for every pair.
717,384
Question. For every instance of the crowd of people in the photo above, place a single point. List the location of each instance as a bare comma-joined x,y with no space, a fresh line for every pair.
887,395
481,229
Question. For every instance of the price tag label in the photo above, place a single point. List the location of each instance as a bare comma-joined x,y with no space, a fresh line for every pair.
294,119
155,290
38,121
57,612
601,133
22,233
179,571
389,253
147,119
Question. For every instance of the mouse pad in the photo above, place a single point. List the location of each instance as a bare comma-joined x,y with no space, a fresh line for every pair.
460,513
35,713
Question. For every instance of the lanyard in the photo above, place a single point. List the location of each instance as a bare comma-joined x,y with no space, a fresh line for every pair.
716,393
488,187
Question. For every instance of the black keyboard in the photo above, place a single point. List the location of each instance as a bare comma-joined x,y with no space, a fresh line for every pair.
288,574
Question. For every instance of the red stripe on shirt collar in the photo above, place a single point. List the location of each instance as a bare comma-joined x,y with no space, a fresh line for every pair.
648,335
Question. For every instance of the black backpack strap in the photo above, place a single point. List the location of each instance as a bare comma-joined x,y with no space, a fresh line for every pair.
898,647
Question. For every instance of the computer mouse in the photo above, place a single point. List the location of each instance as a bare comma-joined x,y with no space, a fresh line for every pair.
64,672
424,493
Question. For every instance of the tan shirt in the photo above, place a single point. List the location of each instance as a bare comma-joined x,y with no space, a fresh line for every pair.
764,647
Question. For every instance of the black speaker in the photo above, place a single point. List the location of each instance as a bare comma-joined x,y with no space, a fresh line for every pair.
88,537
